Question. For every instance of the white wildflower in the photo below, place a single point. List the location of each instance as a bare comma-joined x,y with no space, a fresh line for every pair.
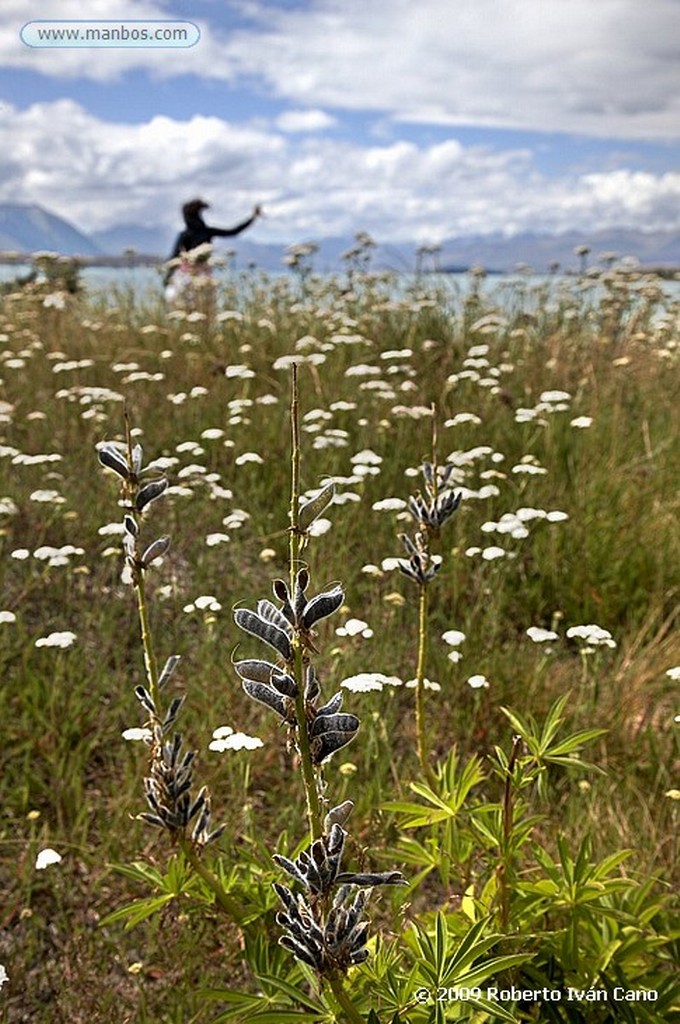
224,738
541,636
45,858
453,637
478,682
58,639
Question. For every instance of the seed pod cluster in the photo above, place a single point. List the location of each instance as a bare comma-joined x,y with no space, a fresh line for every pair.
430,513
128,466
440,501
168,786
284,629
168,793
337,941
421,566
332,945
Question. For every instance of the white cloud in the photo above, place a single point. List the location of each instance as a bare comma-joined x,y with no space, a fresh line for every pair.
607,68
97,175
304,121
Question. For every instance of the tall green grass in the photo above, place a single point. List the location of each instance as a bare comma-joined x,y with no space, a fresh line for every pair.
68,779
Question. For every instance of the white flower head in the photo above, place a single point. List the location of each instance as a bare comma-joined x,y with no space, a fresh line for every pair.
478,682
137,734
674,673
389,505
364,682
59,639
491,553
319,527
224,738
592,634
45,858
453,637
541,636
3,975
355,627
428,684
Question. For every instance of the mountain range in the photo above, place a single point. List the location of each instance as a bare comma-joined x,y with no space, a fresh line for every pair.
30,228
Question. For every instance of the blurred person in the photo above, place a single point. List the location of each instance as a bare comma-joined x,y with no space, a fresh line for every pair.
188,276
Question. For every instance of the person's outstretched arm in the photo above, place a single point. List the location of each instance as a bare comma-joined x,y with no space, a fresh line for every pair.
228,232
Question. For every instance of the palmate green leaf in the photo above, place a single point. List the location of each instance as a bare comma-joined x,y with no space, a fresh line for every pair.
246,1007
496,1010
410,851
138,910
275,1016
178,878
245,1013
294,993
441,943
471,946
141,872
607,865
417,816
575,741
489,968
520,725
459,784
428,794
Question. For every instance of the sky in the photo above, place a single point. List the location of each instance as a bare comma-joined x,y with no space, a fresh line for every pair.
411,121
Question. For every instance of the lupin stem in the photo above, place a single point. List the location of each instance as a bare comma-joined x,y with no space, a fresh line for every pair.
309,777
421,735
150,663
224,899
350,1012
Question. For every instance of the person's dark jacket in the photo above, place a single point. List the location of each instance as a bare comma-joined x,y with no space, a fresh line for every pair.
197,232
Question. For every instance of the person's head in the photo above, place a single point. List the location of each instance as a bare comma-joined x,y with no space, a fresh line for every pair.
193,209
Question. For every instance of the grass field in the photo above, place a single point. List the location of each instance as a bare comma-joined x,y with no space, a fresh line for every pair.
557,406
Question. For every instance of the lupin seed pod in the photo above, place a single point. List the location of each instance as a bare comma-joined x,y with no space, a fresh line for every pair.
149,493
313,508
111,457
272,635
322,606
157,549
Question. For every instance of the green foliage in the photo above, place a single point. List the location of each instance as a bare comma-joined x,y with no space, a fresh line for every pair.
529,864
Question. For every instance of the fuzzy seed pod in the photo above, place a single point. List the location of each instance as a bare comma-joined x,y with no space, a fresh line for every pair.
313,508
338,815
168,669
155,550
265,695
266,631
334,723
322,606
149,493
111,457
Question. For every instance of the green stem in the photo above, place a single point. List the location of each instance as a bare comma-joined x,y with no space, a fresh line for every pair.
150,663
309,778
420,688
231,906
344,1001
294,542
505,865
